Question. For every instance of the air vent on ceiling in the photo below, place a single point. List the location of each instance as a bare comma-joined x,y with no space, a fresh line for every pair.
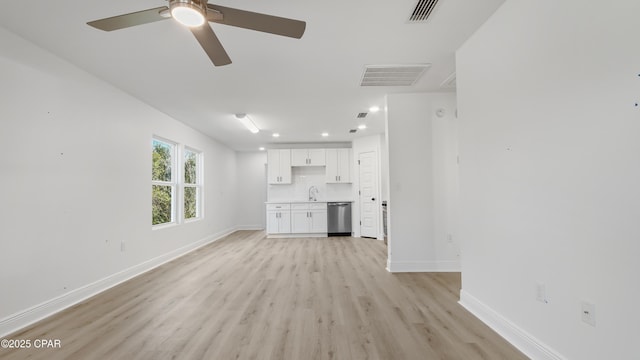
362,115
392,75
422,10
353,131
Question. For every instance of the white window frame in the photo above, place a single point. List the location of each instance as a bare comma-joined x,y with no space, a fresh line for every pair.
197,185
172,183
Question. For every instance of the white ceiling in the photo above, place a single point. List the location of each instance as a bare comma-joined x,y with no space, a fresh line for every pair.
299,88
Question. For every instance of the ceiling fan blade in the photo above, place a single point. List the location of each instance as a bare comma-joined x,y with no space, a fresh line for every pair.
211,45
256,21
132,19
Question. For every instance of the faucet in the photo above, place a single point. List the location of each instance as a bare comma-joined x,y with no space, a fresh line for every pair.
313,192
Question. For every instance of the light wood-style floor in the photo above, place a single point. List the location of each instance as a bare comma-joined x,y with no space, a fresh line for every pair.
249,297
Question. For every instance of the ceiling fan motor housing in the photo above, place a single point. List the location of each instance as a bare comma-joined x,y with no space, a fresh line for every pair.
198,5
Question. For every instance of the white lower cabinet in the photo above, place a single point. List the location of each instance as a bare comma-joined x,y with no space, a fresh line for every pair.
297,218
309,218
278,218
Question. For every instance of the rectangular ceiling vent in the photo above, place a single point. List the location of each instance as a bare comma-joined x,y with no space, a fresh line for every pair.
392,75
352,131
362,115
422,10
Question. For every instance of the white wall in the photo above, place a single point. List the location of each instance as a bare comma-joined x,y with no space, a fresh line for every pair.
422,184
75,183
549,175
252,190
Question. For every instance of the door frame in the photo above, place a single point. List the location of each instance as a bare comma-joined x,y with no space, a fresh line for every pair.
356,189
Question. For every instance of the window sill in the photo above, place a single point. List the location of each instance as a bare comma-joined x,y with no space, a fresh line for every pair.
163,226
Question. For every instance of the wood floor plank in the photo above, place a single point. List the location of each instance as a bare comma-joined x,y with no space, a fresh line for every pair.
249,297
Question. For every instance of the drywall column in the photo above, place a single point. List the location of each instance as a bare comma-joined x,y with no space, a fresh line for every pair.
418,210
548,95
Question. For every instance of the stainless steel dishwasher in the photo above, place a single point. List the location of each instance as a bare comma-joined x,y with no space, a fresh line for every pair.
339,218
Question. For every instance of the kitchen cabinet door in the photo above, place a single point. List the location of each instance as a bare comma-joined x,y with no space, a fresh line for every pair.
273,222
278,222
317,157
299,157
344,165
299,221
279,166
338,166
318,221
285,222
307,157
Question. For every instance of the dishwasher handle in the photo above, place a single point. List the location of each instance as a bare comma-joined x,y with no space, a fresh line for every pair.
338,204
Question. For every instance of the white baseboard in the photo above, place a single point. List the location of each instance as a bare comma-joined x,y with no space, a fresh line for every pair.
423,266
523,341
291,236
26,317
250,227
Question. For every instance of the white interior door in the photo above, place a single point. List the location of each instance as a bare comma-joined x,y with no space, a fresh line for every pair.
369,202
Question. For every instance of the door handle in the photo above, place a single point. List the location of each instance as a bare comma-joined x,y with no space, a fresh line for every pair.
373,199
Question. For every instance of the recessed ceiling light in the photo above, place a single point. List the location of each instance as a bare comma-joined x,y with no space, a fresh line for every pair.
261,149
362,126
325,134
275,135
374,109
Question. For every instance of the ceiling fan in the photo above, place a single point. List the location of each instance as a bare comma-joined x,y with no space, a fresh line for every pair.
196,13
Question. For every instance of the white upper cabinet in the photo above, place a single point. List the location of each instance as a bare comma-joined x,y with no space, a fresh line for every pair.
338,165
307,157
279,166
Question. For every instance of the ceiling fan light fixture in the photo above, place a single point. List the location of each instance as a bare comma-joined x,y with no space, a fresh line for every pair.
188,12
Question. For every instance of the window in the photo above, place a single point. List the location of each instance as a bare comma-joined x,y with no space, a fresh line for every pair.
163,182
176,183
192,184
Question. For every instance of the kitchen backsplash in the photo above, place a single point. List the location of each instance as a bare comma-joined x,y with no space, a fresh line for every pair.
302,179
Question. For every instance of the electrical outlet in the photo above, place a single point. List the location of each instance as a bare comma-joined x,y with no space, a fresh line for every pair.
541,293
589,313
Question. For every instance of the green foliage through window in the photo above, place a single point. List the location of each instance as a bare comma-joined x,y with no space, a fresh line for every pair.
162,190
190,181
162,209
190,164
190,202
161,161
